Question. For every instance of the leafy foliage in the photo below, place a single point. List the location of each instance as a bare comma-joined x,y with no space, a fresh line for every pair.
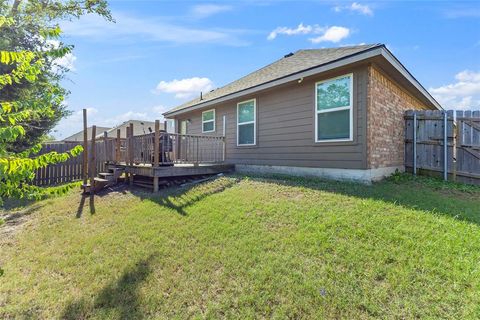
31,97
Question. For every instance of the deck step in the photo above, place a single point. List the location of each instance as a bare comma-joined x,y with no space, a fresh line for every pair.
105,174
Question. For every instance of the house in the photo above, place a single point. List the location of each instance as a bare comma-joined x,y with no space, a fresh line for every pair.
336,113
78,137
139,127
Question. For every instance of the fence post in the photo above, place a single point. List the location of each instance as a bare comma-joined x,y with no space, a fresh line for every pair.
107,156
131,151
415,143
454,145
118,146
85,148
92,160
445,146
156,154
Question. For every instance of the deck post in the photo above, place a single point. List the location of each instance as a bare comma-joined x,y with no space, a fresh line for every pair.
127,152
156,154
107,155
131,151
93,165
85,148
118,146
196,153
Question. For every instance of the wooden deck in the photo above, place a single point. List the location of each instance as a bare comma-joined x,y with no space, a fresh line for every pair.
158,157
177,170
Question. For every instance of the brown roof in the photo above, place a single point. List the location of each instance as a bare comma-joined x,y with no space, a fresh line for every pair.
290,64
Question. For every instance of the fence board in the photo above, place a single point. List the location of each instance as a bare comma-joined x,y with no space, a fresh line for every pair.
72,169
430,143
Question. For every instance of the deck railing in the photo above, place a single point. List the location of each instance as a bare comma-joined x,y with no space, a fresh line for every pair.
173,148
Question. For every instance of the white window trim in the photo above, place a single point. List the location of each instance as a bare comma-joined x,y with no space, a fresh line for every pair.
248,122
213,120
350,107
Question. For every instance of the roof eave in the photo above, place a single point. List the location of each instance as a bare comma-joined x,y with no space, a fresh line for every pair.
380,50
293,77
405,73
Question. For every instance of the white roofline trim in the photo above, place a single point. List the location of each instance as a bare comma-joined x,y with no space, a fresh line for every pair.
400,68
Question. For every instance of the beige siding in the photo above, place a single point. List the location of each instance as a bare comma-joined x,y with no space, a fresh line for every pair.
286,125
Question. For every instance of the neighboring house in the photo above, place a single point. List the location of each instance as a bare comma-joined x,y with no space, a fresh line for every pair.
139,127
79,135
334,112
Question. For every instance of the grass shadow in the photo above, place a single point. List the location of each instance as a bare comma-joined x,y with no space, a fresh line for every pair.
119,299
81,204
179,198
420,193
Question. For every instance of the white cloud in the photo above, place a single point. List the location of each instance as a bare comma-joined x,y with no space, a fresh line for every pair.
355,7
118,119
207,10
74,123
472,12
325,34
462,94
185,88
301,29
130,28
333,34
160,109
67,61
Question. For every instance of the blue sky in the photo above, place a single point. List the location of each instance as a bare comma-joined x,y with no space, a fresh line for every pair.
159,54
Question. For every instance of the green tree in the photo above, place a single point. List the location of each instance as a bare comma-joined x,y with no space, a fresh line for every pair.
34,19
31,97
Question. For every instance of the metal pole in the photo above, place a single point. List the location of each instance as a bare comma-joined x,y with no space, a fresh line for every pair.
454,146
415,143
445,146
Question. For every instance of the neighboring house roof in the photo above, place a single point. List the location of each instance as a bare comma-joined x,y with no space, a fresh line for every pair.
139,127
300,64
79,135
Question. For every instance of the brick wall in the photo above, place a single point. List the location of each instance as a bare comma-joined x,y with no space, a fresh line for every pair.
387,103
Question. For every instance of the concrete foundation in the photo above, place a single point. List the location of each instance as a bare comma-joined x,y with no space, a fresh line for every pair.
364,176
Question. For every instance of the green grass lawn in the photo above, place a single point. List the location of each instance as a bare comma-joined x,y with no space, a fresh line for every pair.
249,247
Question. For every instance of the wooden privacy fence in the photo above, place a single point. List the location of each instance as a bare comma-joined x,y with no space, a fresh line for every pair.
72,169
444,142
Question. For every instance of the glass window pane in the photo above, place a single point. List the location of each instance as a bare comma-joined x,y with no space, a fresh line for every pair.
334,93
333,125
246,112
208,126
207,115
246,133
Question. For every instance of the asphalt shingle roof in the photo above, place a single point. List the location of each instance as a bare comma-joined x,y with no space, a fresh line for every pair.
290,64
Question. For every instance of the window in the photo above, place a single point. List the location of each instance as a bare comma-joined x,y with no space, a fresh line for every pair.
183,127
208,121
333,109
246,115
